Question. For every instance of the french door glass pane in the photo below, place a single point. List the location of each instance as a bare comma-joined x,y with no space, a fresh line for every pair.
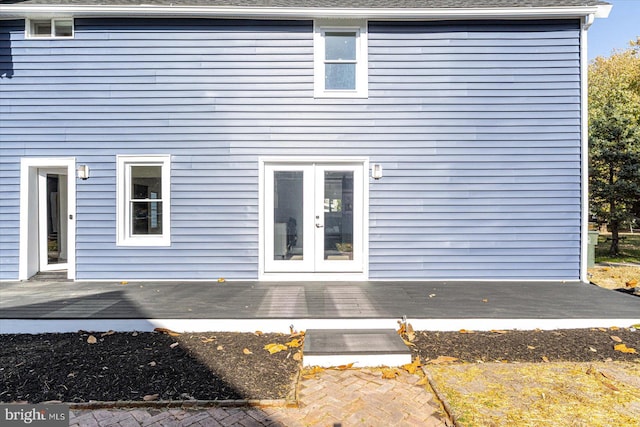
288,215
338,215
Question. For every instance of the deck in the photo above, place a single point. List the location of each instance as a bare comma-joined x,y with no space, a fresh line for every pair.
273,306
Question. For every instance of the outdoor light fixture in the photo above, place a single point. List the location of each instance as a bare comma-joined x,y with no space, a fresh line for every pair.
376,171
83,172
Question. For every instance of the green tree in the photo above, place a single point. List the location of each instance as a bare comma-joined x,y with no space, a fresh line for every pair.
614,139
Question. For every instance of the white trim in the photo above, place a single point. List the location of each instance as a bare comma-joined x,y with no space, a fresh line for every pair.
28,173
18,11
34,326
43,253
359,27
123,232
584,148
28,28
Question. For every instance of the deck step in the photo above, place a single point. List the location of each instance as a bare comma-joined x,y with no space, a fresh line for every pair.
362,347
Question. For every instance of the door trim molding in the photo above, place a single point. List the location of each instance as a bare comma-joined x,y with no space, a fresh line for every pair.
28,179
262,275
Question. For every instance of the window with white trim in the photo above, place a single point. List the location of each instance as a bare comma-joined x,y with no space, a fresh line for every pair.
53,28
340,56
143,199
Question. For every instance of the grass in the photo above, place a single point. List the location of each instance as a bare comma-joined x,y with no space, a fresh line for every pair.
629,248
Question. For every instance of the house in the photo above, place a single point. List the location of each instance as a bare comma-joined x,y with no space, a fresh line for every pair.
294,140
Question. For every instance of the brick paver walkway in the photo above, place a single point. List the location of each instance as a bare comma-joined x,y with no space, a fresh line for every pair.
343,398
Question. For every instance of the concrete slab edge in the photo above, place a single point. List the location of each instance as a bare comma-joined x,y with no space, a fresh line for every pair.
37,326
183,404
359,361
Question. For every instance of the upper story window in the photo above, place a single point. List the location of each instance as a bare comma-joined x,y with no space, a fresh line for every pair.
341,69
49,28
143,194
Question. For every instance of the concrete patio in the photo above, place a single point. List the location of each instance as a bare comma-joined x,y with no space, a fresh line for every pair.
33,307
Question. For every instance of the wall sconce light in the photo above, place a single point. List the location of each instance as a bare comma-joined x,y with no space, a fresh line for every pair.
83,172
376,171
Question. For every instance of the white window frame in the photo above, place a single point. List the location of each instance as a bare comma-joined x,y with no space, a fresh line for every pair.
123,197
321,27
29,24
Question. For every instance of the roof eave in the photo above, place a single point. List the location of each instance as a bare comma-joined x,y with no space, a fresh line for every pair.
21,11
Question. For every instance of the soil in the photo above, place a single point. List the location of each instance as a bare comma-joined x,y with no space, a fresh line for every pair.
222,366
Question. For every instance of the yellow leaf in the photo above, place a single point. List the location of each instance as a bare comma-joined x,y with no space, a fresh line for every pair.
205,340
294,343
485,300
443,359
345,367
413,366
408,343
545,359
298,356
389,374
258,333
611,386
464,331
275,348
614,328
124,282
402,329
92,339
219,348
247,351
616,339
624,349
221,280
423,381
498,331
631,283
167,331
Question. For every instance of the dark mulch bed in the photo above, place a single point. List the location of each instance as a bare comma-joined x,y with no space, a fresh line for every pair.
214,366
129,366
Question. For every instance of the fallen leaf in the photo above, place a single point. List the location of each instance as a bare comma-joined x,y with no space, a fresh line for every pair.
408,343
274,348
220,348
92,339
610,386
498,331
152,363
464,331
167,331
107,333
344,367
616,339
294,343
423,381
602,329
593,350
631,283
205,340
150,397
413,366
624,349
247,351
530,347
221,280
135,334
432,295
390,373
402,329
443,359
259,333
614,328
485,300
124,282
545,359
298,356
174,345
637,326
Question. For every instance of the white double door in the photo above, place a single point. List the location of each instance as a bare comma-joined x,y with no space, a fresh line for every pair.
313,217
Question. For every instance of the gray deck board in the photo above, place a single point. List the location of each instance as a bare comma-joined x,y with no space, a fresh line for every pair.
312,300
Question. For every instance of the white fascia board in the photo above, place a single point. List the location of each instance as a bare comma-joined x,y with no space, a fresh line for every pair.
20,11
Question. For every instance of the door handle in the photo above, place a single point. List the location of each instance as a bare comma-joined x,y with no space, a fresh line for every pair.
318,225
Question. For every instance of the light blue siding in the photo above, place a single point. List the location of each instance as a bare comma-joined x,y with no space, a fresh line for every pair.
477,126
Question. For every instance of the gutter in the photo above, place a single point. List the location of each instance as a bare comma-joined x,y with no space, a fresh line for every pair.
14,11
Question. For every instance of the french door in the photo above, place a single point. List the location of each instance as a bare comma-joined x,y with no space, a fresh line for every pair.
313,217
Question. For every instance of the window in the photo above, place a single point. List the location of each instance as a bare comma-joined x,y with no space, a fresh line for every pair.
50,28
143,201
340,61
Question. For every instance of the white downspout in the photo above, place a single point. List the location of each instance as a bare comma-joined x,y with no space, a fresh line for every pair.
584,146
